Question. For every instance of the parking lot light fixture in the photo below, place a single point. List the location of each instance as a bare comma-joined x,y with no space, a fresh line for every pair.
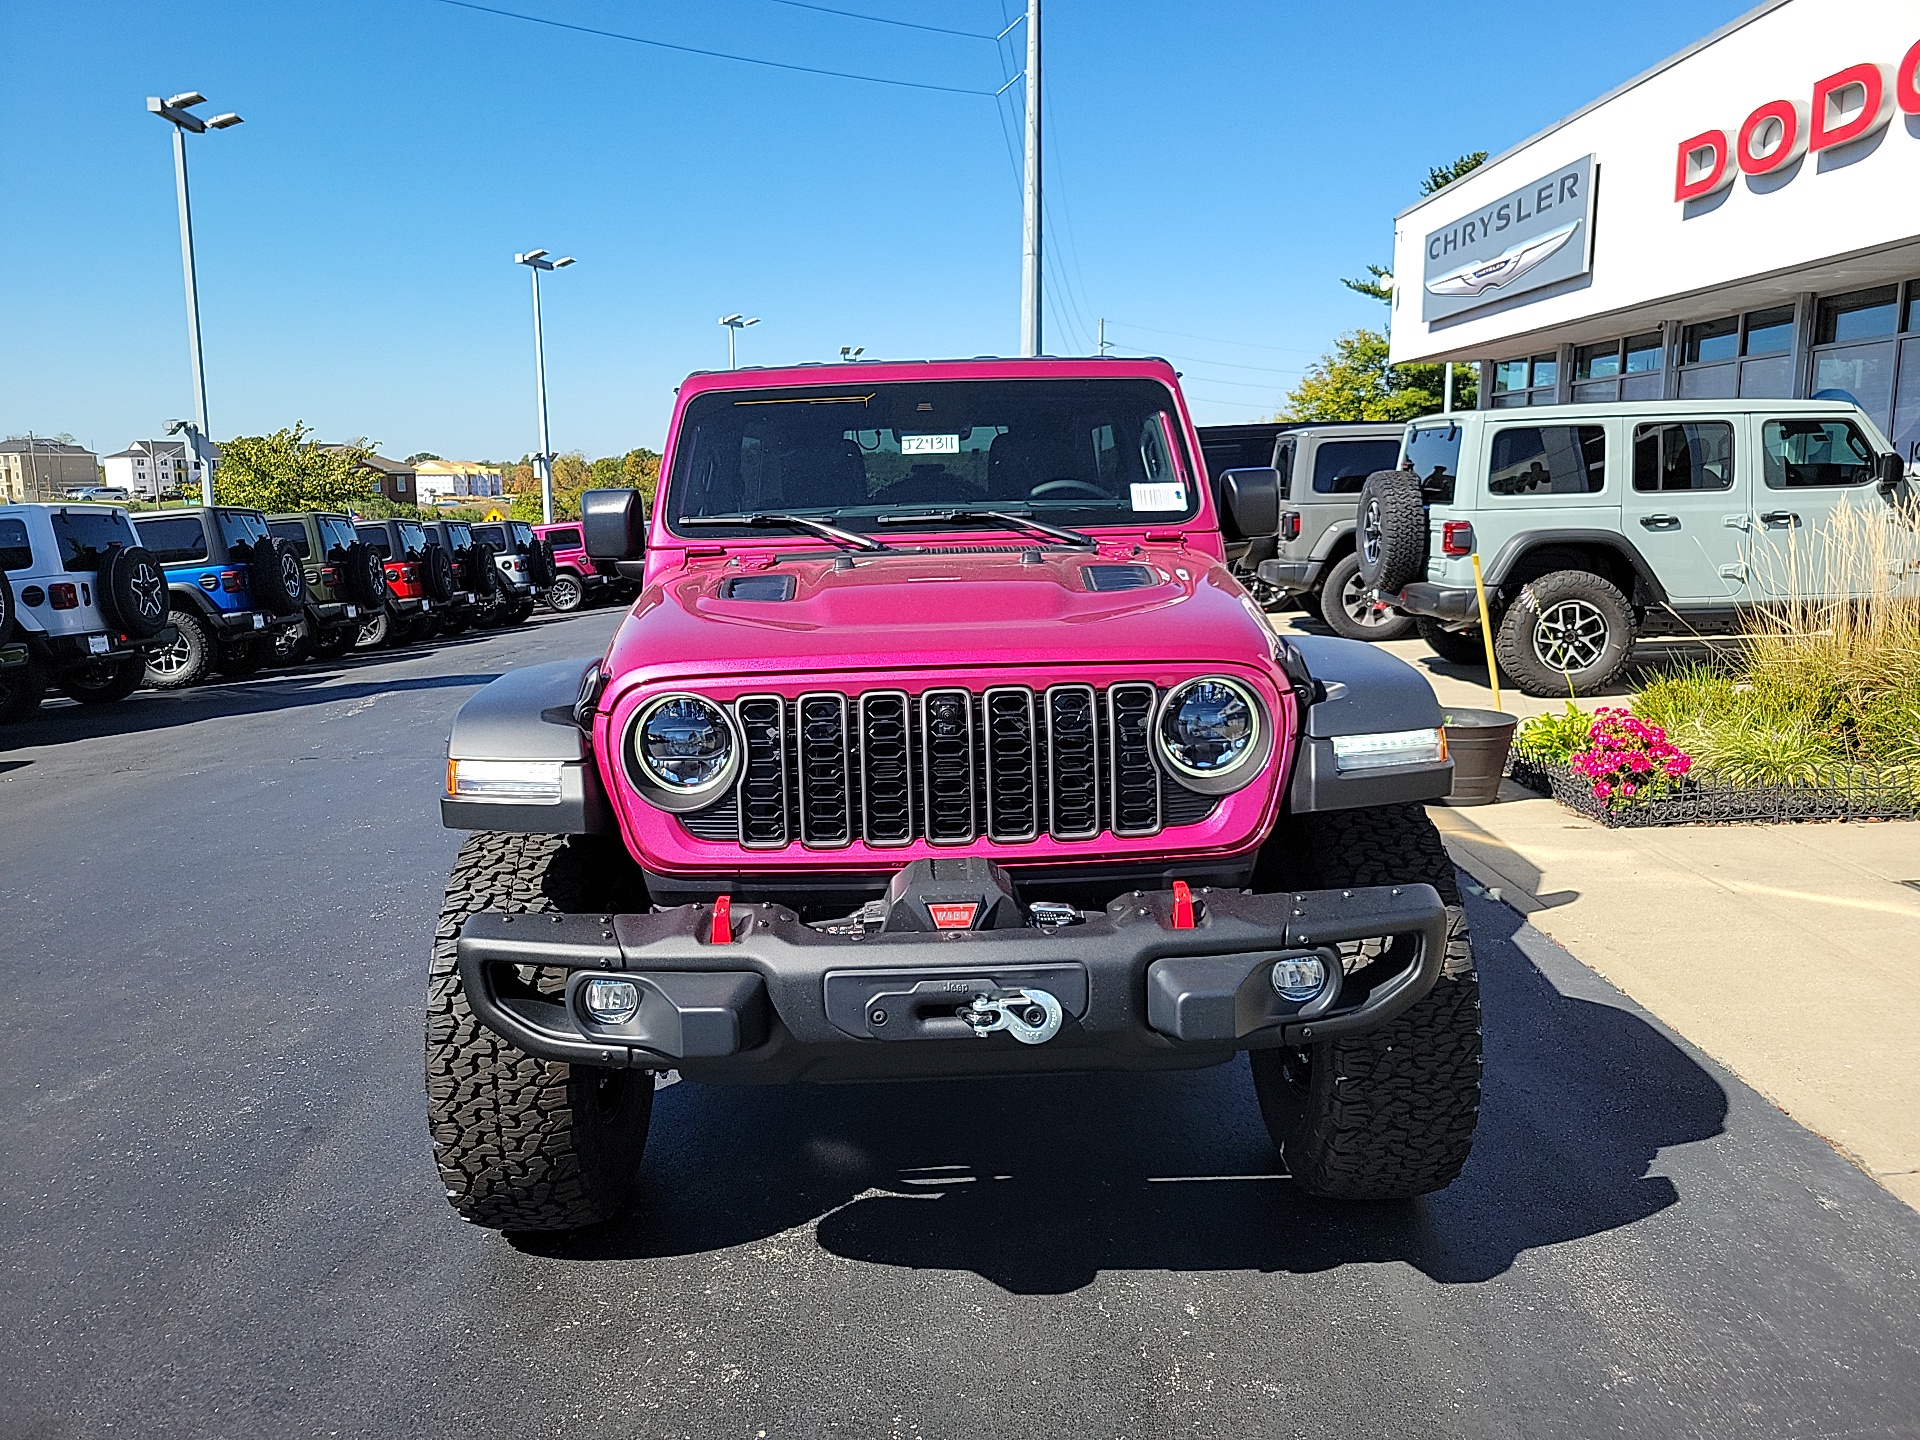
735,323
177,111
536,261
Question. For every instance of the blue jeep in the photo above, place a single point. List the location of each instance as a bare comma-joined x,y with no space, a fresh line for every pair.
234,587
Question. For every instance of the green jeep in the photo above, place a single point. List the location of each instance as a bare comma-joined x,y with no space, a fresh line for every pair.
346,582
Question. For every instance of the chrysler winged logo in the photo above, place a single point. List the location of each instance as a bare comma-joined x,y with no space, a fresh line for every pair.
1480,276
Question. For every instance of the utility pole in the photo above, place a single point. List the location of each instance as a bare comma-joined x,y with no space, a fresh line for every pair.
536,261
1030,338
177,110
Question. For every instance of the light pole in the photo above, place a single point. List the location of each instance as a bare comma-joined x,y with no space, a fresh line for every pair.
177,111
735,324
1030,342
850,353
536,261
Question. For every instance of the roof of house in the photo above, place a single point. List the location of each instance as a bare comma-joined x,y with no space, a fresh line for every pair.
40,446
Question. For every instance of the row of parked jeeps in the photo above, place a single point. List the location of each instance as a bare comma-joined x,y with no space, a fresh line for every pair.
100,602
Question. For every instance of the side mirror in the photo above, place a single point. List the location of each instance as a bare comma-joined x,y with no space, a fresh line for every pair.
1249,503
1889,471
613,525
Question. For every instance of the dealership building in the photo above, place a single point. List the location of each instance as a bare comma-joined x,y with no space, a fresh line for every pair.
1741,220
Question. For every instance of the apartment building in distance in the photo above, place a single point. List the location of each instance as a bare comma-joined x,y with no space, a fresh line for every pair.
34,468
148,469
458,482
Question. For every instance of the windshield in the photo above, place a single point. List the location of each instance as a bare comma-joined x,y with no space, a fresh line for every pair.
375,537
1078,453
1433,453
241,528
522,534
459,537
293,532
494,535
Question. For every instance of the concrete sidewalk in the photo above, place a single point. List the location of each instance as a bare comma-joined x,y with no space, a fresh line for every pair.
1790,953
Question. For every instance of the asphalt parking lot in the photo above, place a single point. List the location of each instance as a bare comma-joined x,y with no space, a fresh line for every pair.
221,1215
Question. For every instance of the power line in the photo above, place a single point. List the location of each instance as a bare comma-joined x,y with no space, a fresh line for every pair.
1214,339
886,20
716,54
1202,360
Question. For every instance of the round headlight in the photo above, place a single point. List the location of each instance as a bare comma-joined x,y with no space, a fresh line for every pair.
682,750
1210,733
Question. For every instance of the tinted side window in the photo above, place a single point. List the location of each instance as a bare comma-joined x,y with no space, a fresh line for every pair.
1798,454
86,538
335,534
15,551
564,539
522,534
1696,455
293,532
376,538
1283,462
1341,467
1548,460
414,537
1433,453
240,528
175,541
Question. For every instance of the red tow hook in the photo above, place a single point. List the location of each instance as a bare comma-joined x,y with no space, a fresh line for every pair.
722,931
1182,906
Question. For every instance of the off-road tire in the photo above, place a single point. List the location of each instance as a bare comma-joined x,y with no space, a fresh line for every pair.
334,641
105,682
133,592
21,690
237,659
9,608
1332,602
436,572
522,1143
1545,624
454,623
483,575
521,612
566,594
1456,647
1390,529
187,660
277,576
539,558
376,629
363,575
292,645
1389,1114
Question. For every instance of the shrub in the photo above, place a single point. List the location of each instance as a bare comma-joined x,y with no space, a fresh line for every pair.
1553,739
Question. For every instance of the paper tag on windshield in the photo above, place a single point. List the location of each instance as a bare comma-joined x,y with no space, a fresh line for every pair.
1172,496
929,444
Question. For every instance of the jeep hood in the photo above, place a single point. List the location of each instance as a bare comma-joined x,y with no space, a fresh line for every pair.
956,606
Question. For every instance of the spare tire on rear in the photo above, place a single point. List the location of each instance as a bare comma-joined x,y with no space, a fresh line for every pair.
540,567
436,572
9,608
1391,529
483,576
278,577
133,592
364,575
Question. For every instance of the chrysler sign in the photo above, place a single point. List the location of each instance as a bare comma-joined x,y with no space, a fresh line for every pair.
1539,235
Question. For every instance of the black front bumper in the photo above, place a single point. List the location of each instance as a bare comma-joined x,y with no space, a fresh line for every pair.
1449,604
784,1001
1294,576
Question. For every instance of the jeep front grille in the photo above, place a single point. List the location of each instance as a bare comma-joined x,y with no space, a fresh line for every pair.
948,766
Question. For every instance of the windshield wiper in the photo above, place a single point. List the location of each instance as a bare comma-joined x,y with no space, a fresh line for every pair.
762,520
1012,519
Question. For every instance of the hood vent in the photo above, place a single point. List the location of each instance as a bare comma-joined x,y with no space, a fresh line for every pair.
1119,577
757,587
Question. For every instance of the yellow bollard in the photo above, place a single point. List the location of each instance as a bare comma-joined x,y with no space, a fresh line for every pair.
1486,630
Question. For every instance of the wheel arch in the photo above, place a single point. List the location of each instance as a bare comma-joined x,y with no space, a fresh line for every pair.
1616,558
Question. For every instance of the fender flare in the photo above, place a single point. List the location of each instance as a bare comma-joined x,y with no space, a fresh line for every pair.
196,599
1335,538
1360,689
528,715
1517,548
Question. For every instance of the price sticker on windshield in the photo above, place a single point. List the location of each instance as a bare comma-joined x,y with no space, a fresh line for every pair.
929,444
1168,496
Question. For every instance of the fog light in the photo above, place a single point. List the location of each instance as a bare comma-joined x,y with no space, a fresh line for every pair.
1300,977
612,1002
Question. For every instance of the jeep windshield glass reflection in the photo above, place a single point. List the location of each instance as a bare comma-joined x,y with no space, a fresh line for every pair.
1078,453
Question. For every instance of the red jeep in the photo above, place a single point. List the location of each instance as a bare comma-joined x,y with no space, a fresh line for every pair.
942,742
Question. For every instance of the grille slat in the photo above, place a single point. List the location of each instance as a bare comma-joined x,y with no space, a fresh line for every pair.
946,756
948,766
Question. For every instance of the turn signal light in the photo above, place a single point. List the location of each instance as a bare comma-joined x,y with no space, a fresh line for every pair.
329,575
64,597
232,581
1290,525
1456,537
527,782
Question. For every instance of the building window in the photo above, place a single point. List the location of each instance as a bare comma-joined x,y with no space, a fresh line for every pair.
1860,354
1749,355
1619,369
1525,382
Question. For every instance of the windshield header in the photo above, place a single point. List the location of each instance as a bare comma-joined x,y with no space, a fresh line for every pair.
1082,454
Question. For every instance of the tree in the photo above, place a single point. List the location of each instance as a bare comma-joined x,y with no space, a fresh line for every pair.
423,455
1380,287
287,471
1355,382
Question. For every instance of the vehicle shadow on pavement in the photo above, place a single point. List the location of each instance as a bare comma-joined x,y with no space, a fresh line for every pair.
59,724
1038,1185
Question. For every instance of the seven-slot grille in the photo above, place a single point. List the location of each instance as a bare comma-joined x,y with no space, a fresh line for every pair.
948,766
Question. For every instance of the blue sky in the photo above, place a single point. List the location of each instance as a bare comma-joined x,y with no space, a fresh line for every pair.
1213,170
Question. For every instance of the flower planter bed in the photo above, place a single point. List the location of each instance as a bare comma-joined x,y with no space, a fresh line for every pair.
1843,794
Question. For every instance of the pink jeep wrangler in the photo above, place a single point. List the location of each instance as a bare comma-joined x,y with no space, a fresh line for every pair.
941,742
